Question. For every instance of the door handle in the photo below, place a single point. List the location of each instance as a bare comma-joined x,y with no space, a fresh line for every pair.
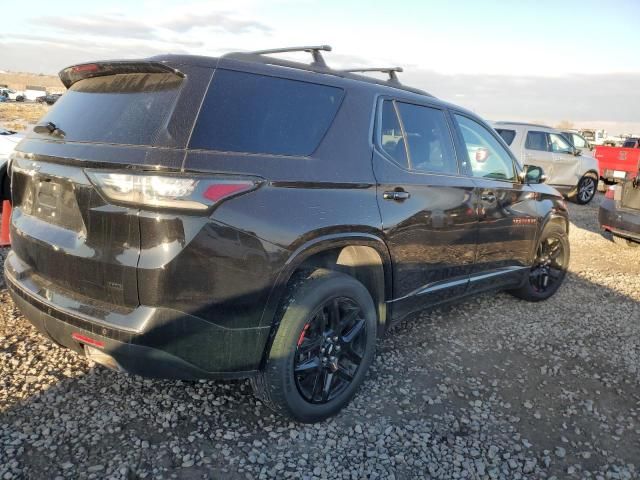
488,197
398,196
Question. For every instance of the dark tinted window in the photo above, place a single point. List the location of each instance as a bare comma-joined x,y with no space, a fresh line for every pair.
391,139
428,138
630,143
537,141
507,135
243,112
487,157
124,109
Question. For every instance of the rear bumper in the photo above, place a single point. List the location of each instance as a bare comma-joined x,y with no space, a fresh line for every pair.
152,342
622,222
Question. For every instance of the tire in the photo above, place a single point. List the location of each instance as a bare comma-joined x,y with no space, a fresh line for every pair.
624,242
307,303
586,189
19,98
532,289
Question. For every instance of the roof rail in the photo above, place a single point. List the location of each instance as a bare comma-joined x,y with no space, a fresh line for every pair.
318,60
391,71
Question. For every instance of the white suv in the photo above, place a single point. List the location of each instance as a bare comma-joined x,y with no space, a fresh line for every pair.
573,174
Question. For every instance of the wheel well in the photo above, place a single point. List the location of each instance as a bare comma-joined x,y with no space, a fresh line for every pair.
361,262
560,221
592,173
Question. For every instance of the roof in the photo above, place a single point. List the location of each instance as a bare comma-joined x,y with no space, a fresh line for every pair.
263,57
523,124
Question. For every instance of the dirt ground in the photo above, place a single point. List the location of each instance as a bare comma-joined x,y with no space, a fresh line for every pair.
493,387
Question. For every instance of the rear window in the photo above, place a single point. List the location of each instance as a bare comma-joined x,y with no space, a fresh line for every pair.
124,109
629,143
244,112
507,135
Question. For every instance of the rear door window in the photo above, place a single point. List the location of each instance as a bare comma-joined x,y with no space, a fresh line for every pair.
507,135
428,139
537,141
127,108
245,112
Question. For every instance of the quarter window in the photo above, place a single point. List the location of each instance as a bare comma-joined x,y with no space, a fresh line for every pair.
487,157
507,135
244,112
537,141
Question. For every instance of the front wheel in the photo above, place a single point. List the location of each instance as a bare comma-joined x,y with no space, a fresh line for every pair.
322,349
549,267
587,187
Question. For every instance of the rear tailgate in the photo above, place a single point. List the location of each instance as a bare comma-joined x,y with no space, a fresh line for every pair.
66,235
613,161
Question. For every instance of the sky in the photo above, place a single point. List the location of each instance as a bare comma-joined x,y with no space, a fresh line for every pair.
525,60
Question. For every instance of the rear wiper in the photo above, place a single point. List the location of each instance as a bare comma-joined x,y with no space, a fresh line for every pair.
49,128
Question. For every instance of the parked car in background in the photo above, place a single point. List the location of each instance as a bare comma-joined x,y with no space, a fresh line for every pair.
11,94
49,98
618,164
578,141
569,170
31,92
273,235
594,137
9,139
620,212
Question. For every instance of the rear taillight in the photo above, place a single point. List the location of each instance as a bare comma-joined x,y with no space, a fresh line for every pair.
167,191
611,192
88,67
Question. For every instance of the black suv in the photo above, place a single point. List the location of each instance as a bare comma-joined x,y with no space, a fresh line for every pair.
247,216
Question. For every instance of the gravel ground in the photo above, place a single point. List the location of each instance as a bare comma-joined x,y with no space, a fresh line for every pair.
489,388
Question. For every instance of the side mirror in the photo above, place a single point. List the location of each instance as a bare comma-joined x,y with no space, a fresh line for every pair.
533,175
577,152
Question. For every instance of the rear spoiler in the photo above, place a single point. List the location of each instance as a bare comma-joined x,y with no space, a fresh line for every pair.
75,73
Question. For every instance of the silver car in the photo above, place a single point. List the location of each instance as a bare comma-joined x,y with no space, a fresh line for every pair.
568,170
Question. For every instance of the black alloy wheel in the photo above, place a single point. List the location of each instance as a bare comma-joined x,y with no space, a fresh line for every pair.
548,268
586,190
330,350
323,347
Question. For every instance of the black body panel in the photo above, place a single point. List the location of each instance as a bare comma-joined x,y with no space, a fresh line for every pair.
181,293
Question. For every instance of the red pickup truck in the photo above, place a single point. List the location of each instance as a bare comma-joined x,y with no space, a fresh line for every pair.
618,164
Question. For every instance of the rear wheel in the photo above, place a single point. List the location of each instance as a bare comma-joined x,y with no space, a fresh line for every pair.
624,242
549,267
587,187
323,347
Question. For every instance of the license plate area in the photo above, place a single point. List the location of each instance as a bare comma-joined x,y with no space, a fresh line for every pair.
619,174
52,200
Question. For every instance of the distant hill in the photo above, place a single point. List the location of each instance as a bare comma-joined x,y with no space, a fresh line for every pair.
19,80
